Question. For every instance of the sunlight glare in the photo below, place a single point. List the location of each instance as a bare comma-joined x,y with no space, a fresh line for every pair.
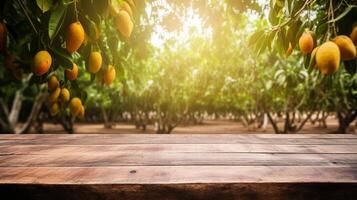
191,25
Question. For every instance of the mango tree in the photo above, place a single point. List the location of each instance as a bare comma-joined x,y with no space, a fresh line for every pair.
64,44
324,34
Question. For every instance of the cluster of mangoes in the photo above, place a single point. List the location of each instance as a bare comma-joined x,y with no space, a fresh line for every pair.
60,97
327,56
75,37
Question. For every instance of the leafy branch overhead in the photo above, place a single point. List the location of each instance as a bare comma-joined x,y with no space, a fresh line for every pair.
64,40
309,24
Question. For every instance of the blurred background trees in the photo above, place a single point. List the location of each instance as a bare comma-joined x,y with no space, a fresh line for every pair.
184,62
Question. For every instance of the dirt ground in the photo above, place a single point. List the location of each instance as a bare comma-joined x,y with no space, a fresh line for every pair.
208,126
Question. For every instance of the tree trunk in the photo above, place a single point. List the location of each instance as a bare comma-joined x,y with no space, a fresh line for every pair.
313,121
67,123
35,111
145,120
287,122
302,124
342,127
107,123
345,119
9,120
342,123
5,126
244,121
170,128
273,123
39,124
16,108
265,122
160,128
324,118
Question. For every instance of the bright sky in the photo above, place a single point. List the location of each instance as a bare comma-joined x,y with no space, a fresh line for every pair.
192,22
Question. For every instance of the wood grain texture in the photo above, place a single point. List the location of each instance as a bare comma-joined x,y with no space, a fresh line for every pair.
178,148
107,139
177,174
199,166
77,159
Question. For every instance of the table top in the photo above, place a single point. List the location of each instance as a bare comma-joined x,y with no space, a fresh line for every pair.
177,159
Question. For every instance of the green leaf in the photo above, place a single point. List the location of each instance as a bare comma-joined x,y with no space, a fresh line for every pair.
344,13
271,38
264,41
273,19
44,5
63,58
255,37
56,21
321,29
283,40
292,33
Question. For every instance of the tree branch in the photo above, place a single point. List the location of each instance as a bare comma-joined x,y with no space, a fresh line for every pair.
273,123
36,108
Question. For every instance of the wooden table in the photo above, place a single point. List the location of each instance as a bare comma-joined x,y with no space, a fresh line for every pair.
217,167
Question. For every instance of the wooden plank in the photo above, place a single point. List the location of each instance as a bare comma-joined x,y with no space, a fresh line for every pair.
180,148
178,166
84,159
176,139
177,174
